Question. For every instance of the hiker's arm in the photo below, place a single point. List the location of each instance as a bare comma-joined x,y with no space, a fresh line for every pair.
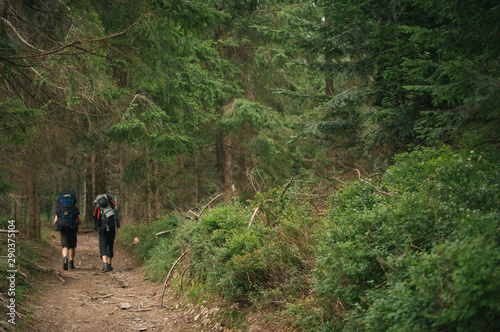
55,219
79,219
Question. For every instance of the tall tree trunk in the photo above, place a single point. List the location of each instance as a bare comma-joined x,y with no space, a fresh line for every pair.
228,170
329,80
32,195
122,207
89,189
328,61
15,210
137,208
100,173
220,162
123,204
148,206
155,213
196,177
241,175
181,189
25,214
38,218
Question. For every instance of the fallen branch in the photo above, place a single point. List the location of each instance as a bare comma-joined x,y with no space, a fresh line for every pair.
61,278
168,276
140,310
286,187
213,199
40,268
163,232
378,190
253,216
101,297
197,216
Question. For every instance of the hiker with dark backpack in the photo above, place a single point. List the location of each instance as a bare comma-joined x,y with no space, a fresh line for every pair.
67,220
107,221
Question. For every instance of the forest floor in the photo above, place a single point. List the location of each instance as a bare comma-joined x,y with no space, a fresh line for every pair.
85,299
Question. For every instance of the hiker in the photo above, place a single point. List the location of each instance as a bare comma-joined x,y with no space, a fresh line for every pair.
107,221
67,220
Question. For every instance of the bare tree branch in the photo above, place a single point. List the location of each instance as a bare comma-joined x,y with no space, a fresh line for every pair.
59,50
25,42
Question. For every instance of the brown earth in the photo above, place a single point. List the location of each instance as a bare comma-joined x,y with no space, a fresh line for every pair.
85,299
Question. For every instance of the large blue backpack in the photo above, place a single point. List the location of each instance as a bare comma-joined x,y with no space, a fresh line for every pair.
67,208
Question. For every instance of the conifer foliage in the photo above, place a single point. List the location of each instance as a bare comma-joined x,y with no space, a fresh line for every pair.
280,110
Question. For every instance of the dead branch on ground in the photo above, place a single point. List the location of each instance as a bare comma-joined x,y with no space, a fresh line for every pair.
163,232
168,276
368,183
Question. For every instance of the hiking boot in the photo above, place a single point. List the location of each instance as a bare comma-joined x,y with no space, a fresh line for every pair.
109,268
65,263
71,265
104,267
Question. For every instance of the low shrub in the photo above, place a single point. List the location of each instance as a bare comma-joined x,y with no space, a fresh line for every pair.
417,251
146,235
399,256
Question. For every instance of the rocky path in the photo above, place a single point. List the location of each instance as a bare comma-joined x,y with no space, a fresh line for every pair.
84,299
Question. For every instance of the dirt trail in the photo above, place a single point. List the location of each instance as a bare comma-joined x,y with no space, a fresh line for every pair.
84,299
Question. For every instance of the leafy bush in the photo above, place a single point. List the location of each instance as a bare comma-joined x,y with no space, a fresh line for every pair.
417,251
266,260
424,257
146,234
453,287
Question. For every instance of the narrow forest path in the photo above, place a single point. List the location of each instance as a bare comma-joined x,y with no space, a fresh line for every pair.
84,299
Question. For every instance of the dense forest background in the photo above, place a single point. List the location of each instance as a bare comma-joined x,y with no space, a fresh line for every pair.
269,107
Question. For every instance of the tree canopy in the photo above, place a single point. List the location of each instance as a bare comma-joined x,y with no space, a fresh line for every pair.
179,100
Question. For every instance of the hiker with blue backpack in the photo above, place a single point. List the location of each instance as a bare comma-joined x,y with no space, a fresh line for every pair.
107,221
67,220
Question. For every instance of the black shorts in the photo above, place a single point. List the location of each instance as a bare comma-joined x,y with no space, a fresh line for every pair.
68,239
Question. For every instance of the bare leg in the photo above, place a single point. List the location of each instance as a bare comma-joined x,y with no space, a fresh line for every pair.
65,258
109,264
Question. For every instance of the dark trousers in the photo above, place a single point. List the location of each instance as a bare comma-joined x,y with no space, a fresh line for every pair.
106,242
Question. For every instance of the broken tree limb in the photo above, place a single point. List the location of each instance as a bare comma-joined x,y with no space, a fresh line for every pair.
213,199
368,183
253,216
163,232
40,268
107,296
140,310
60,278
168,276
197,216
286,187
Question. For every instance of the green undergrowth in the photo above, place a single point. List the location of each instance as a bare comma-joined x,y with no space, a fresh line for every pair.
20,279
417,250
141,238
